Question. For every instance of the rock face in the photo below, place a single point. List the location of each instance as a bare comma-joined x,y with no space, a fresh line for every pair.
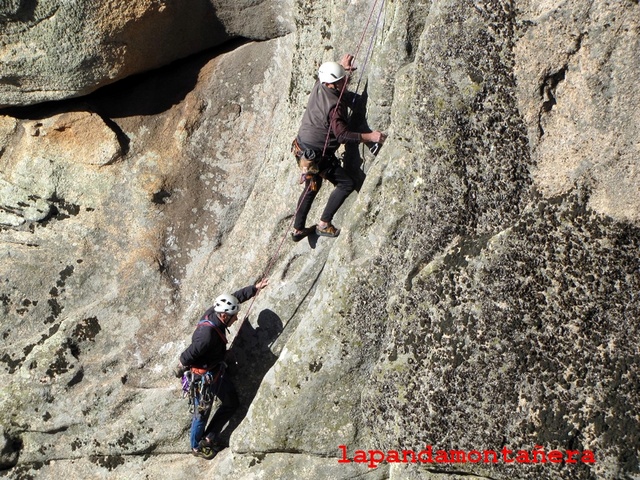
481,297
52,50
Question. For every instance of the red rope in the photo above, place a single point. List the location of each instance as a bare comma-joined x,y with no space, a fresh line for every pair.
326,143
274,257
344,85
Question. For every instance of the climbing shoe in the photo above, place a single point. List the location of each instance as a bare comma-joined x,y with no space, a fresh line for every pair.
207,445
205,452
305,232
328,231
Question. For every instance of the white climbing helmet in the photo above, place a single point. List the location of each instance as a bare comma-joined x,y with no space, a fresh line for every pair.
226,304
331,72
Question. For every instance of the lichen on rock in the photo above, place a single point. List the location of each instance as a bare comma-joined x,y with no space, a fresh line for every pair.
482,292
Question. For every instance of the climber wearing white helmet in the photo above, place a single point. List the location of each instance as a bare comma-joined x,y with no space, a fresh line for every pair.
203,364
322,130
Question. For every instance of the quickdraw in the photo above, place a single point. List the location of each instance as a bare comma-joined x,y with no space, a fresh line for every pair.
307,162
198,383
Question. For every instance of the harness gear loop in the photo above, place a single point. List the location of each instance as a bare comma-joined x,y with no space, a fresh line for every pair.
311,164
199,386
306,160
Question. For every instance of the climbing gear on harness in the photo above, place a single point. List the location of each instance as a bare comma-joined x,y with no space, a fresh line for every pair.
197,382
198,385
296,237
307,162
312,164
226,304
328,231
331,72
185,385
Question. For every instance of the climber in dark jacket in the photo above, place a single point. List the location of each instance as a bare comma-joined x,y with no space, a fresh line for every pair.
322,130
205,356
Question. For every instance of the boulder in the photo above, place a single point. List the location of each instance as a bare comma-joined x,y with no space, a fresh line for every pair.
55,50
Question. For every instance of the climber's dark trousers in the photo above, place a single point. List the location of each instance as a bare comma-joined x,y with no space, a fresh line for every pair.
344,186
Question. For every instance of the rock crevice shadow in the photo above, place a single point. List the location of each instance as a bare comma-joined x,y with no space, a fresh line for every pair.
250,358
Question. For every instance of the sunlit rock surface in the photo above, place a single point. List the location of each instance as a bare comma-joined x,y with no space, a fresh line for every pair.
482,294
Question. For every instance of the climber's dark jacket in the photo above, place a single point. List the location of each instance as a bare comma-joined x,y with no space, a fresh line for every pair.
208,344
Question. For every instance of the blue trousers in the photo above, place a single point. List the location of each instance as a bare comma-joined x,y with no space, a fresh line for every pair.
225,391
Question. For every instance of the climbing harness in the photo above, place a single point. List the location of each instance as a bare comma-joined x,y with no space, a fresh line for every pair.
297,148
198,384
307,162
312,165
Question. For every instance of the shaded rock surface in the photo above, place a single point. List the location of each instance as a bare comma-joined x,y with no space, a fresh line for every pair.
52,50
482,293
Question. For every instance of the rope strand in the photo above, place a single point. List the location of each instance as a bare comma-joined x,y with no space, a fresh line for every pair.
370,48
334,113
274,257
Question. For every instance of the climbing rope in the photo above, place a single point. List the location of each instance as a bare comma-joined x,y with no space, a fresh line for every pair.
275,256
366,61
371,40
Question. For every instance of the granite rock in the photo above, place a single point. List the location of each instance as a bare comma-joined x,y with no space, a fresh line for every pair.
51,50
482,294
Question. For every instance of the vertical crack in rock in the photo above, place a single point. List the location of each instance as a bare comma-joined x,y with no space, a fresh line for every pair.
548,95
548,89
123,141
